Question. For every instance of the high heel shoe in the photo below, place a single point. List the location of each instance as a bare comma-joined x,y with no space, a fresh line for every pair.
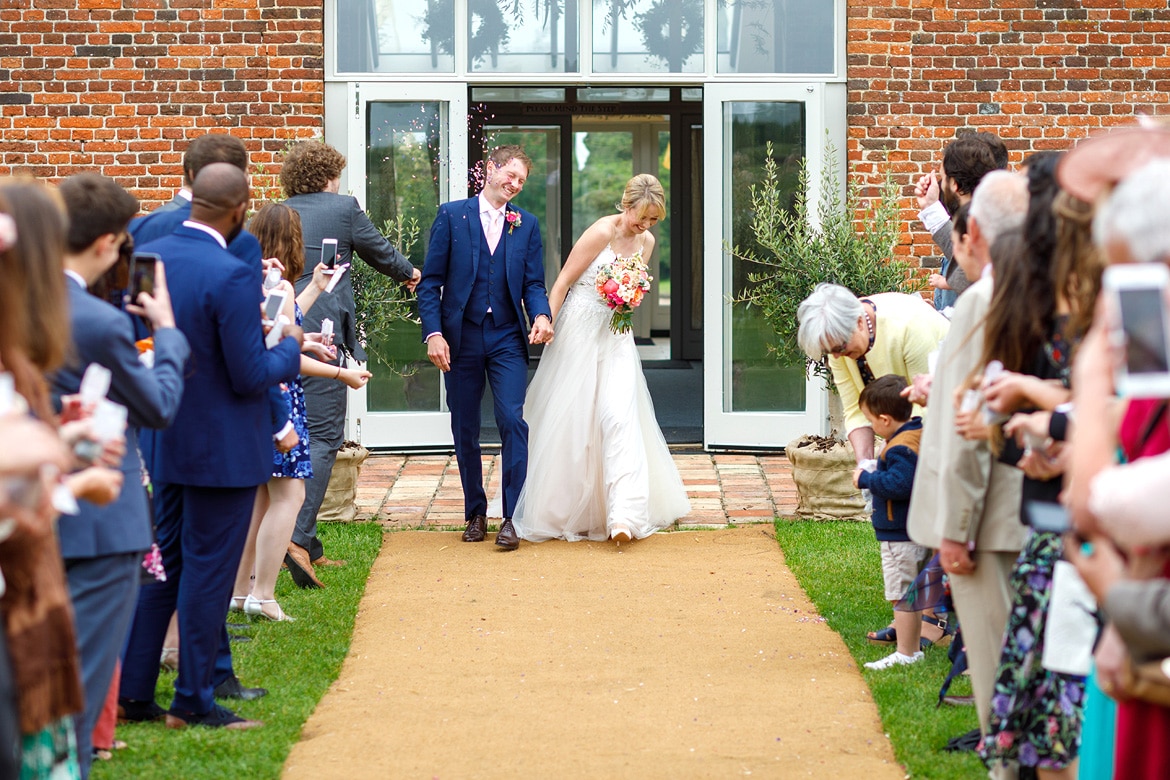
619,533
255,607
237,604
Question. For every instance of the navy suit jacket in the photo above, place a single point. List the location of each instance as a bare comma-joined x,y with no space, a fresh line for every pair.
104,335
221,436
453,261
162,222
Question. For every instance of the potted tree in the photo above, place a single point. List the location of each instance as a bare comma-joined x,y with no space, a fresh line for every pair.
846,238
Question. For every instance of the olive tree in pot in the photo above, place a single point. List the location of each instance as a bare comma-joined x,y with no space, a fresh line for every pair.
379,303
847,238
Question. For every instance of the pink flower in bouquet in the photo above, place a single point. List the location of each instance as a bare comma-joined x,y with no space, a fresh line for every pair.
622,285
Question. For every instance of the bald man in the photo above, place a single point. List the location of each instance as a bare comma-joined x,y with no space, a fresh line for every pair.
207,465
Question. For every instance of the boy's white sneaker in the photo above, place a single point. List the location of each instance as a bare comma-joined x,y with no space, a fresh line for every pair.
895,659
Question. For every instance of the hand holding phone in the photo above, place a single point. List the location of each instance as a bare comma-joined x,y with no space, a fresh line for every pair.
1136,294
329,252
273,303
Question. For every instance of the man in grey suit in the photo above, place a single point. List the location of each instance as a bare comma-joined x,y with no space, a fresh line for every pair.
966,161
965,503
103,546
311,177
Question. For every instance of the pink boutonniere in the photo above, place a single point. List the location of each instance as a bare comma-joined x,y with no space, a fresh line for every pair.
513,220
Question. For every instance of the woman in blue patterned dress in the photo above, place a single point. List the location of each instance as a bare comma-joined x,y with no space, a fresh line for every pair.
278,228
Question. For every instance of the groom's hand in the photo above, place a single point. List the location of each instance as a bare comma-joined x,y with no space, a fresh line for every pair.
438,352
542,331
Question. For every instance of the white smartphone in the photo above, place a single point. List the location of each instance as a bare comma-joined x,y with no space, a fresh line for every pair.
273,303
329,252
1142,323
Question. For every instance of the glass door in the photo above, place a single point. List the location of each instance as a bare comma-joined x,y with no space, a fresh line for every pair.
750,400
407,147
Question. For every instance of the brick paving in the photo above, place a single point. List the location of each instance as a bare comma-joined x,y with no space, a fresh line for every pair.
422,491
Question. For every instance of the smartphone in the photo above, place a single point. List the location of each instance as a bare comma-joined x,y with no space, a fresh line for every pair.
273,303
329,252
1046,516
142,269
1142,323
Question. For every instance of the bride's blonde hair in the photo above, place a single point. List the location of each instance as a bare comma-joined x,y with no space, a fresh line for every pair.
644,194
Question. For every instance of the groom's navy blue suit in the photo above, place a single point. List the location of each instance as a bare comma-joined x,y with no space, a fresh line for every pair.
461,280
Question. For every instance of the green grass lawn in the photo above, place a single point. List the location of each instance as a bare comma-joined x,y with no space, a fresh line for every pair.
839,566
296,662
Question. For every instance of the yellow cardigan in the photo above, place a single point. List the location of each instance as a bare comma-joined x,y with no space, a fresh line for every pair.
908,330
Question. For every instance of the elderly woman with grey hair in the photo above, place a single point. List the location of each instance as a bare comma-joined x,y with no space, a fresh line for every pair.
888,333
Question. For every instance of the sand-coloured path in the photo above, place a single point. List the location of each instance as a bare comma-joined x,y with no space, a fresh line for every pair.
686,655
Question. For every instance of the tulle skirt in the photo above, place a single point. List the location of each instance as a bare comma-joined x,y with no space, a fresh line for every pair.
596,457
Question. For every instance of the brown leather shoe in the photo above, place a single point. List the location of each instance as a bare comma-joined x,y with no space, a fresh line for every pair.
297,560
323,561
476,529
507,538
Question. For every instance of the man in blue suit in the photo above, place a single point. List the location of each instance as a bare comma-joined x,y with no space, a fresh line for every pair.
103,546
207,465
485,260
201,152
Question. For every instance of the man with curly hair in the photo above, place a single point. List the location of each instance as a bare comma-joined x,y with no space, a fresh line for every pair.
311,178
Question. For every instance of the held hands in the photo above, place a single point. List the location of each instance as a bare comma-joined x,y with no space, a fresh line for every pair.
155,308
542,331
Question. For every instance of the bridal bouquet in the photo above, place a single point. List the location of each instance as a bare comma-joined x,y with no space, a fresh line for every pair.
622,285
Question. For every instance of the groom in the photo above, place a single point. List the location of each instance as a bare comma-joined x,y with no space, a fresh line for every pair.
485,259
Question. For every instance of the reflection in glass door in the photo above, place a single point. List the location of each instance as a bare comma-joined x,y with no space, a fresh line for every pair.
751,399
412,141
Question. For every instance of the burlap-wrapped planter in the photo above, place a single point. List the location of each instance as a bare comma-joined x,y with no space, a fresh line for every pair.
339,506
822,469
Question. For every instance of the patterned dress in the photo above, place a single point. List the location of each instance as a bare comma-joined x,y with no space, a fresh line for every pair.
1036,714
295,463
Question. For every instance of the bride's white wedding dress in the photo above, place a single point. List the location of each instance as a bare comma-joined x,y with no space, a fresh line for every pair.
597,460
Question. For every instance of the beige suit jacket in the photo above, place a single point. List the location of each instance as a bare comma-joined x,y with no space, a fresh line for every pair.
961,491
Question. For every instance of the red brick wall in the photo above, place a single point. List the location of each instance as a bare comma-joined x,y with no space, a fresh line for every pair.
1040,73
124,84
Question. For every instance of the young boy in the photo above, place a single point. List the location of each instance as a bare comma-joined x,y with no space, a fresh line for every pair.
890,415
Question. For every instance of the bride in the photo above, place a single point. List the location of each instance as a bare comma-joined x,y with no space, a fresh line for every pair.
598,466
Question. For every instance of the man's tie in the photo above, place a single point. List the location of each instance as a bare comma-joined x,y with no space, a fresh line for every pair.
495,228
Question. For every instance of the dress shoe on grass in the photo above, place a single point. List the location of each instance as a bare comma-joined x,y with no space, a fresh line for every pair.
301,569
133,711
232,688
217,718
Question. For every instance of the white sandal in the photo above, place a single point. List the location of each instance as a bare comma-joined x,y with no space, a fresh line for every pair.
255,607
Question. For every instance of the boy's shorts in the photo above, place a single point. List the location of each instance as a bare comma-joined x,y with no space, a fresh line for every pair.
901,562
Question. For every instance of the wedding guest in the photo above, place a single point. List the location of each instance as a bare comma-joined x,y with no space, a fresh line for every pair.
38,620
208,464
864,338
311,179
964,502
278,228
598,465
104,546
891,417
939,194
